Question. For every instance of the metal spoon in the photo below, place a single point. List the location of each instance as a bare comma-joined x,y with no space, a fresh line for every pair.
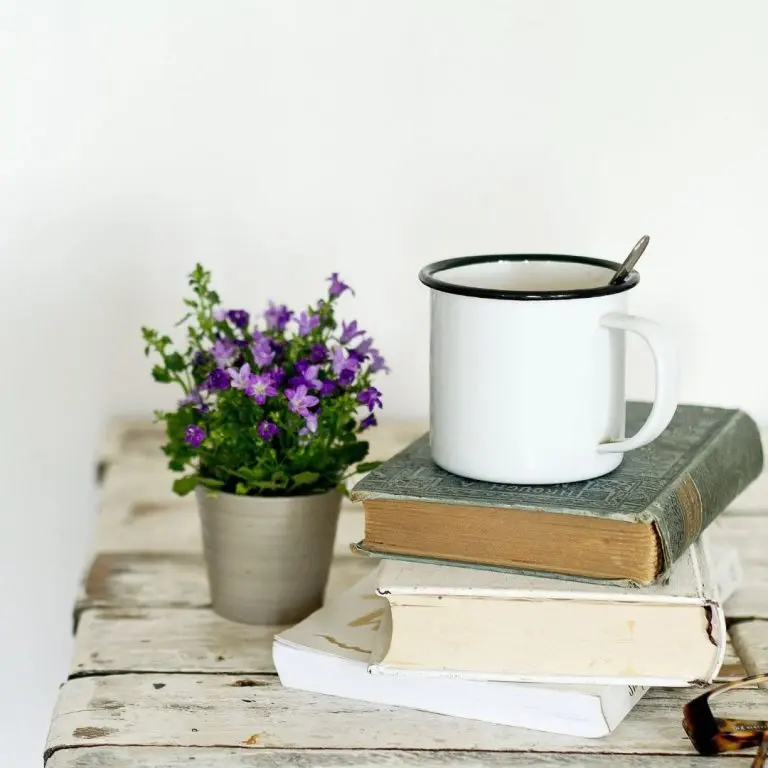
630,261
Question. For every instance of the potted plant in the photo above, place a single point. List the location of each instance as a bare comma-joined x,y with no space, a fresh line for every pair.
269,429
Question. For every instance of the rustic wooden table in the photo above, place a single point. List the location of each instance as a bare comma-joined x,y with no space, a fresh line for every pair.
158,680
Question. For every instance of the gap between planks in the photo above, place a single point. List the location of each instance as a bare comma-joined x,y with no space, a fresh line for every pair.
165,757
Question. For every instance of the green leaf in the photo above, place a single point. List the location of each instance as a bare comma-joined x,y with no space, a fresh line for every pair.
305,478
252,475
185,485
175,464
241,489
280,479
210,482
183,319
160,374
191,303
174,362
353,452
266,485
342,489
367,466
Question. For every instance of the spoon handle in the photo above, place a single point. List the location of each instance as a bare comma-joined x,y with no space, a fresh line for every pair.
630,261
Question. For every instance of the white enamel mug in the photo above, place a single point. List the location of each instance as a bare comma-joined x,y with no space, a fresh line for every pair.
527,368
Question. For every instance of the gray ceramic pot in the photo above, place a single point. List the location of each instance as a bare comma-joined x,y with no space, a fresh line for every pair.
267,558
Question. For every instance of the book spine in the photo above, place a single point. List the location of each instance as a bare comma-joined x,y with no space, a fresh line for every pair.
731,460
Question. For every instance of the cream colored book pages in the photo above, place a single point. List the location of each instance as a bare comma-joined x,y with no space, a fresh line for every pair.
670,634
689,581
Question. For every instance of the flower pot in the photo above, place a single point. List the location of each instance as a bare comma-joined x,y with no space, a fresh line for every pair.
267,558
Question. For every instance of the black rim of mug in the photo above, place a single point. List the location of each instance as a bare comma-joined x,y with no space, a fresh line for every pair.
428,276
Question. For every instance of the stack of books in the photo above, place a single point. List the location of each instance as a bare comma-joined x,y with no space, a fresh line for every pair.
546,607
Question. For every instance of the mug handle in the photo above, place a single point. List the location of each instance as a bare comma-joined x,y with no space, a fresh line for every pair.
662,346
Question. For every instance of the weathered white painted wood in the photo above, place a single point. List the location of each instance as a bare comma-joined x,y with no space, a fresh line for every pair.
214,710
197,641
169,640
130,436
755,497
750,639
171,524
748,533
245,757
175,579
732,666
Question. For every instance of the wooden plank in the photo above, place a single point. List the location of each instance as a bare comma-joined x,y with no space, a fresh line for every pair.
175,579
244,757
732,667
215,710
195,641
747,533
750,639
155,579
755,498
166,523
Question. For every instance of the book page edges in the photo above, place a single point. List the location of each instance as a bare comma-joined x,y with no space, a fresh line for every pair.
690,583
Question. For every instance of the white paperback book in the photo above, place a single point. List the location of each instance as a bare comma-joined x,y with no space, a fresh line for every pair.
447,621
329,653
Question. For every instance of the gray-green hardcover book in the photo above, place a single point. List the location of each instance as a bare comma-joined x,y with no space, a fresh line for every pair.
675,487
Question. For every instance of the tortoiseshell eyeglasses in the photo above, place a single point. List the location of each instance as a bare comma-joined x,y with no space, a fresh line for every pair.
712,735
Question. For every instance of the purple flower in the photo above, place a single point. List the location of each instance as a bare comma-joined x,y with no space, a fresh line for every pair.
327,388
267,430
219,315
217,379
307,323
349,332
261,388
368,421
362,350
308,375
262,352
223,351
194,435
378,363
346,378
337,287
342,363
277,375
278,348
318,353
311,424
193,398
300,401
277,316
370,397
239,317
241,379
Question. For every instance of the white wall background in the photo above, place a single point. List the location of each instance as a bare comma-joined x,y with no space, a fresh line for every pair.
276,141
